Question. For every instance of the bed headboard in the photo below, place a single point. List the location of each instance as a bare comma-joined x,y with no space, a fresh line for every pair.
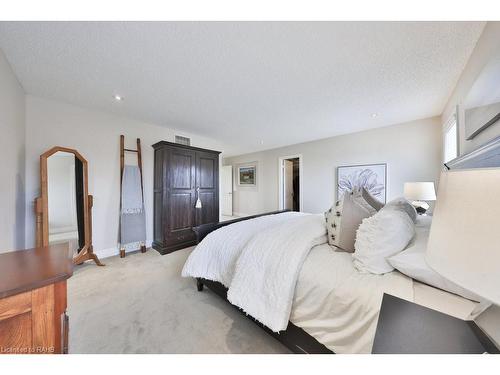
486,156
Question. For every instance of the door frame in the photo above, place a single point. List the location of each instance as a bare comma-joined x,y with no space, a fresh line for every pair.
281,179
222,192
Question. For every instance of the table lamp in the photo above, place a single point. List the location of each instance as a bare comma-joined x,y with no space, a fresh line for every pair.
418,193
464,240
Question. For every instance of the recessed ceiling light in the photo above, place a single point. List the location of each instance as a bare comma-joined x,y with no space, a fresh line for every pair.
374,115
118,98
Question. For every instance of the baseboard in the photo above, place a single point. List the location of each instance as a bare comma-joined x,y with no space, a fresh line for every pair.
240,214
112,251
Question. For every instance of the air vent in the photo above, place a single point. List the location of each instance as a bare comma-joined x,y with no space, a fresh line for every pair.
183,140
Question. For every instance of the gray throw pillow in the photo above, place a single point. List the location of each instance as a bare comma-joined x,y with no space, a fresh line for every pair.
371,200
344,218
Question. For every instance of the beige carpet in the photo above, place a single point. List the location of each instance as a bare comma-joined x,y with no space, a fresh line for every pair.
141,304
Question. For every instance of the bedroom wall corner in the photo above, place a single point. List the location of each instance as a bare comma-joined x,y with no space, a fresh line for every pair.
12,172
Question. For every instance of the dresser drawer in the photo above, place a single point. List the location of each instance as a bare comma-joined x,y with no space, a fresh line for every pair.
15,305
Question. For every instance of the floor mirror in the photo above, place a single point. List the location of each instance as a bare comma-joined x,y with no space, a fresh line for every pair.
64,209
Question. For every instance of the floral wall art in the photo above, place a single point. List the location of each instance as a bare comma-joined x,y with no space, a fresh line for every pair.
373,177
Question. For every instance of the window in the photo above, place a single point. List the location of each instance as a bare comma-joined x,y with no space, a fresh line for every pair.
450,139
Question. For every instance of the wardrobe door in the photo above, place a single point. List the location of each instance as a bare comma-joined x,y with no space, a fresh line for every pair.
207,180
180,197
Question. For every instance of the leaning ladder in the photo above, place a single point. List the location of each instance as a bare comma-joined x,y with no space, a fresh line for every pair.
122,165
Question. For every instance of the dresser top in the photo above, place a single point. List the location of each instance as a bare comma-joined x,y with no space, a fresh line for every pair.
24,270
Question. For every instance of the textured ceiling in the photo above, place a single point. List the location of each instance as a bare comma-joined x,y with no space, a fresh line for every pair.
256,85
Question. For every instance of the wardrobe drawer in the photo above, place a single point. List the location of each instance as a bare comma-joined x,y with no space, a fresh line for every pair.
181,237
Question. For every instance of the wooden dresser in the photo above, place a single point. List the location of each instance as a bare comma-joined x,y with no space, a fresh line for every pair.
33,300
182,174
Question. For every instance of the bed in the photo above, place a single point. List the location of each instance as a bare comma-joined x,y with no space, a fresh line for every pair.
335,308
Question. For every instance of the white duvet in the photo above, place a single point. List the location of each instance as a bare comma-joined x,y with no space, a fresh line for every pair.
268,268
215,257
339,306
259,261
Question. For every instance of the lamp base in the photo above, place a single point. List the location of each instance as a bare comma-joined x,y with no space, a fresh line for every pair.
420,206
420,210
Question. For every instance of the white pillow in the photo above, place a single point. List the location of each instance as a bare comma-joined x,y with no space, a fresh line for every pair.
402,204
381,236
411,262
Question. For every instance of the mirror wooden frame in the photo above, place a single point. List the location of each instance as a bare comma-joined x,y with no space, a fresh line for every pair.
42,208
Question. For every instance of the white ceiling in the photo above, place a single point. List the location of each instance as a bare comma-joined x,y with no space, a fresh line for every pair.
246,82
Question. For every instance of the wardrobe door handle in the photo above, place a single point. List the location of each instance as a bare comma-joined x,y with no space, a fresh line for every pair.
198,201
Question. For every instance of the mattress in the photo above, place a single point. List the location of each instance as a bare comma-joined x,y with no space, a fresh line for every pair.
339,306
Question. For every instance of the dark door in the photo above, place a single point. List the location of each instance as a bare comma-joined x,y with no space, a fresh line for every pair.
207,180
180,196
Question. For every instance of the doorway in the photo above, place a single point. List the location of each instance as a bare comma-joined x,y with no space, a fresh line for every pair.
226,182
290,187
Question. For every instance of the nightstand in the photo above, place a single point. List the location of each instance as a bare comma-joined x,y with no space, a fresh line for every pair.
407,328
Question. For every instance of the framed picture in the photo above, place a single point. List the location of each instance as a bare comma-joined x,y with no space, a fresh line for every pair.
373,177
247,175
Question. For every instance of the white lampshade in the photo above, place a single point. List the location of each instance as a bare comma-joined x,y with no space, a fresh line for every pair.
464,241
420,191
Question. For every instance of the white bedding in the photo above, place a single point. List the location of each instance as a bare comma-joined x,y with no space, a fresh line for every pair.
215,257
267,270
339,306
329,299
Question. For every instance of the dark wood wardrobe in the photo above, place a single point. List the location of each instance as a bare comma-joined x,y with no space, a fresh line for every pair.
181,174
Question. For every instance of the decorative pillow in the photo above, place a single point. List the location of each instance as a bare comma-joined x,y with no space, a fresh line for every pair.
381,236
411,262
371,200
344,218
402,204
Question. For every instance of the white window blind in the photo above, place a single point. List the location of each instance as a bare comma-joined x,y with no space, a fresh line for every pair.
450,139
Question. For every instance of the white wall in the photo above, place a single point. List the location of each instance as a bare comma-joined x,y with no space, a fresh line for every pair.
487,46
412,152
12,165
96,136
